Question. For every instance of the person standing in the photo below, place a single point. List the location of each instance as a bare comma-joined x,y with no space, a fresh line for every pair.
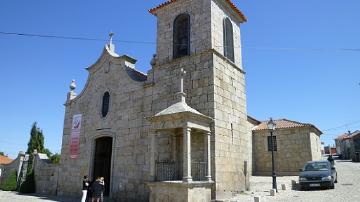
89,192
96,190
102,183
85,188
331,160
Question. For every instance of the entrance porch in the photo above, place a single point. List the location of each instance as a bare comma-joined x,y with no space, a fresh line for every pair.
180,165
180,160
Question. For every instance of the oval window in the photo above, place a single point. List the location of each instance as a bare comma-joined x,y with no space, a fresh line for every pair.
105,104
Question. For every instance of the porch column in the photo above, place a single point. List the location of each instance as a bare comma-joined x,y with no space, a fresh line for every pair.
173,147
207,151
187,155
152,156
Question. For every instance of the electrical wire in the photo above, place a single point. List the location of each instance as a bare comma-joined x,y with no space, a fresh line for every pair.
69,37
342,126
153,43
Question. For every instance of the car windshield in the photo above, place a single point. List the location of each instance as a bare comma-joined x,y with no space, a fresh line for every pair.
316,166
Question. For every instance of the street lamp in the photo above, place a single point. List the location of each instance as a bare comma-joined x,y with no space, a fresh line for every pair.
271,126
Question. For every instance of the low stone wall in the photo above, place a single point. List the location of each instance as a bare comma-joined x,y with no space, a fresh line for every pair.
46,175
15,165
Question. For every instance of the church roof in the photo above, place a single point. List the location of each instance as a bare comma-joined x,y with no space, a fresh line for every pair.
5,160
229,2
285,124
252,120
178,108
135,75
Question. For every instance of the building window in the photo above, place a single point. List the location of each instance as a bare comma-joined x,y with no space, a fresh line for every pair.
105,104
181,38
228,40
270,143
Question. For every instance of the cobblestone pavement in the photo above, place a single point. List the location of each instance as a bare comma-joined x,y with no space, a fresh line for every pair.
6,196
346,190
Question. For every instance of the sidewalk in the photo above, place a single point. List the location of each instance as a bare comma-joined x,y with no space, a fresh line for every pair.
6,196
260,186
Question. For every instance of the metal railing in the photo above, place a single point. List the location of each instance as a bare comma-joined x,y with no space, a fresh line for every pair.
167,171
198,171
172,171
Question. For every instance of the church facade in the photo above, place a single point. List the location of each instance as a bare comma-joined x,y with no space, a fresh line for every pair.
185,121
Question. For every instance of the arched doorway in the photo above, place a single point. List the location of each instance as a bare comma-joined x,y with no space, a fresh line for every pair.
102,161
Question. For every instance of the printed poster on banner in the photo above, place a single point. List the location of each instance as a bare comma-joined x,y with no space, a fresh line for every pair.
75,136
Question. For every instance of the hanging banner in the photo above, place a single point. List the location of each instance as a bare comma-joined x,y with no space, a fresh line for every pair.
75,136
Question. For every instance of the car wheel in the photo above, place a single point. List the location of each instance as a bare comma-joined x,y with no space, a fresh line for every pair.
332,186
335,179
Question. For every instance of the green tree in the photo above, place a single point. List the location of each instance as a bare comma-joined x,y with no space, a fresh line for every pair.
2,153
48,153
28,186
55,158
36,140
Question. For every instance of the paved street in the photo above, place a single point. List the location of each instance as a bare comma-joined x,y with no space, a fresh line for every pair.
346,190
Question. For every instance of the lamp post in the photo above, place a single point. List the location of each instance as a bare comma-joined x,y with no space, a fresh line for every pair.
271,126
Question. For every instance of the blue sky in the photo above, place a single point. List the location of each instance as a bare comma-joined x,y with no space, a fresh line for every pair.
293,54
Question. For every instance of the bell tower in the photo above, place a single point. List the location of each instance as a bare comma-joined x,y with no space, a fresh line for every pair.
203,38
186,27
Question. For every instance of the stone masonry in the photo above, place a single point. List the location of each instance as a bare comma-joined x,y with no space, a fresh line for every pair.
214,86
296,144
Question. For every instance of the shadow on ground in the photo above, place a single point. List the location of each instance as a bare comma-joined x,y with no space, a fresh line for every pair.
51,198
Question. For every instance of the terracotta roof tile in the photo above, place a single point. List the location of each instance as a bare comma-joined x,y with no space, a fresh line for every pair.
356,133
230,3
347,136
285,124
342,136
5,160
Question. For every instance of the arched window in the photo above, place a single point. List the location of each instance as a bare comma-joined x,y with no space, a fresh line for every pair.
228,40
105,104
181,38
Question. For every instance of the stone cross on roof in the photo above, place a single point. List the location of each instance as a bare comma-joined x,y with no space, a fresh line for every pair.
111,34
182,94
111,45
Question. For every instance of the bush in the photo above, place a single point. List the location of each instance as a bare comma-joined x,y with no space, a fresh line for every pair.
55,159
28,186
9,183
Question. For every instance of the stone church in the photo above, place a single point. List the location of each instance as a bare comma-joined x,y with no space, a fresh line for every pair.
179,132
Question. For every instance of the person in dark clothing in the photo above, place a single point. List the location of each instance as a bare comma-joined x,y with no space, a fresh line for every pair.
85,188
102,183
97,189
331,160
89,192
